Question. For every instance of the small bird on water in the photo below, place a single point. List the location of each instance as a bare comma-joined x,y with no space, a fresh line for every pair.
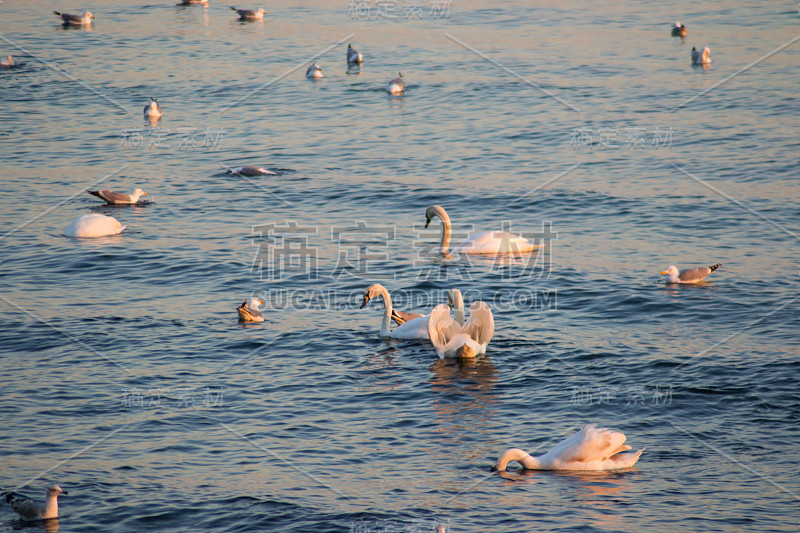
77,20
30,510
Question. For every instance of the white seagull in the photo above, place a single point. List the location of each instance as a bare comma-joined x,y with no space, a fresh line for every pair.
8,61
314,71
701,58
354,57
591,448
31,510
397,85
689,275
249,14
153,109
67,19
118,198
251,171
248,311
678,29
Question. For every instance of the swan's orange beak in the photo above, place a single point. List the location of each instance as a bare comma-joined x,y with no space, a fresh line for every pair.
427,223
364,301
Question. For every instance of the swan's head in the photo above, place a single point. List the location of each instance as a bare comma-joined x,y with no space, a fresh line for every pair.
430,213
55,491
672,271
454,298
371,292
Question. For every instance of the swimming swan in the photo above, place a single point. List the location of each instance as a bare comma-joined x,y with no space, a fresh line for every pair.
415,328
450,339
689,275
488,242
93,225
591,448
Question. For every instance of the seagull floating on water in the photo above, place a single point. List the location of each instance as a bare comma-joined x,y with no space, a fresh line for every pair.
397,85
249,14
251,171
678,29
93,225
66,18
689,275
30,510
354,57
118,198
701,58
248,311
591,448
314,71
8,61
153,109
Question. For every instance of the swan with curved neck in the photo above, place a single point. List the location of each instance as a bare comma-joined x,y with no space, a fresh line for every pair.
416,328
456,302
591,448
488,242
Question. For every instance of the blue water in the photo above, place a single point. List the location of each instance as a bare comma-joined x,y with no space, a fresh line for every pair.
127,380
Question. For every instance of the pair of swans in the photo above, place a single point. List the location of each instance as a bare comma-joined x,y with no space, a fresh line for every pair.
451,337
487,242
591,448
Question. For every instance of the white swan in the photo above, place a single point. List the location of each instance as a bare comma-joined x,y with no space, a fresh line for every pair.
93,225
354,57
78,20
591,448
689,275
397,85
314,71
153,109
488,242
249,14
451,339
248,311
118,198
416,328
31,510
701,58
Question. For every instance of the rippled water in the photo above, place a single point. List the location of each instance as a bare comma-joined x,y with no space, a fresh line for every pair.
127,380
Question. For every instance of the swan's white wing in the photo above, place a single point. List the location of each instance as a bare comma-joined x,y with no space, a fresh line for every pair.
495,242
441,327
589,444
480,326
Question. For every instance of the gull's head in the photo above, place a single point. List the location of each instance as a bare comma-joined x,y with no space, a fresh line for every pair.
253,303
671,271
140,192
89,15
431,212
55,491
676,25
261,11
